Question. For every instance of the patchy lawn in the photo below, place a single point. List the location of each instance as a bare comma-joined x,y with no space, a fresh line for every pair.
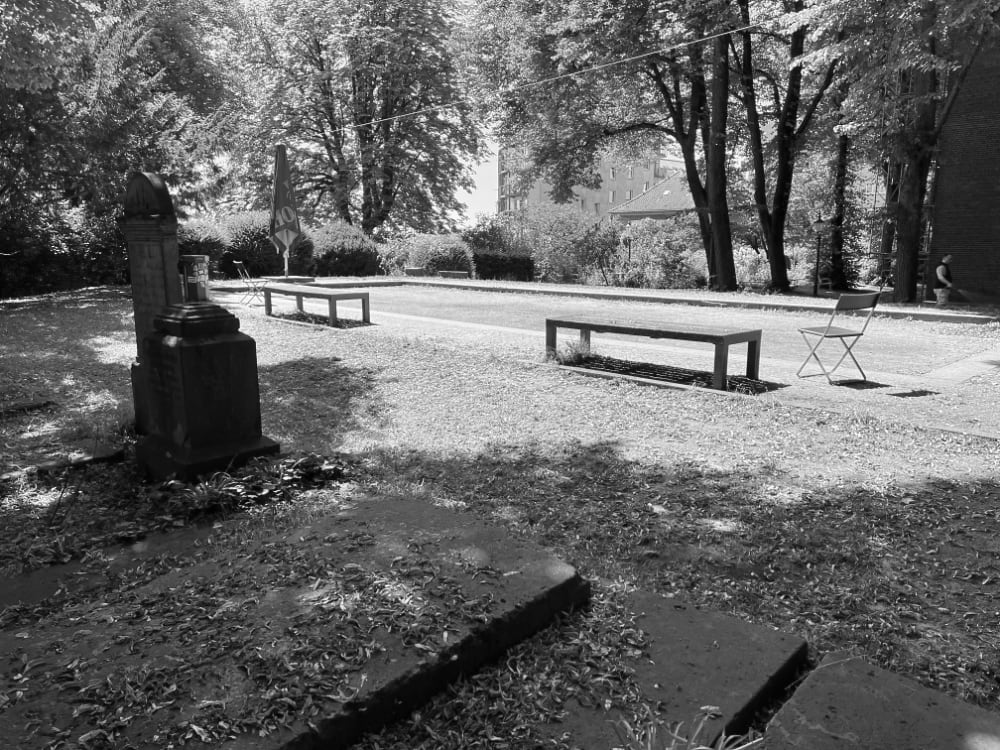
859,527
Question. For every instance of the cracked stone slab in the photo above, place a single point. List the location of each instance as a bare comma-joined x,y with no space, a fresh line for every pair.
333,627
847,703
695,658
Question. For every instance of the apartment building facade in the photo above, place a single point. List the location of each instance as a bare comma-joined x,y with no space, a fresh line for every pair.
622,183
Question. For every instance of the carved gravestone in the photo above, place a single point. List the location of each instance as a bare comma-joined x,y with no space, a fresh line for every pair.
195,380
150,228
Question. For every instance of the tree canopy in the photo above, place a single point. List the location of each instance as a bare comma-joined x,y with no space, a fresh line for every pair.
369,99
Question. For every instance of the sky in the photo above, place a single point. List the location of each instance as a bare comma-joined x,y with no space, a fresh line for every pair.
483,198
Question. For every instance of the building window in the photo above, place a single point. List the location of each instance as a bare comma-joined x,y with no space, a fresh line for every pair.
583,204
630,172
611,197
597,208
611,173
628,195
645,186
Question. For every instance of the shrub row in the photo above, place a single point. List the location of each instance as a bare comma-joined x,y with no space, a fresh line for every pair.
45,252
334,249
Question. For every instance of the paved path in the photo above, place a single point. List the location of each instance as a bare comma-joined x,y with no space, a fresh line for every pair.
924,365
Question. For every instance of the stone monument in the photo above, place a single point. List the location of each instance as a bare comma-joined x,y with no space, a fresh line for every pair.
195,380
150,228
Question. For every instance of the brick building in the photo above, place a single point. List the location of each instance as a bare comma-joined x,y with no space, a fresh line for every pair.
966,208
621,184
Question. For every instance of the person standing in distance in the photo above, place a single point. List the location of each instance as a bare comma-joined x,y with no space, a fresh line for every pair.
942,281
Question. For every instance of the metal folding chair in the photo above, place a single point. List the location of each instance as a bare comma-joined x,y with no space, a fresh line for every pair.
254,286
847,336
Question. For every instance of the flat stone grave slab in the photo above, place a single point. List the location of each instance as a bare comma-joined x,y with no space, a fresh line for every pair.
847,703
695,658
302,638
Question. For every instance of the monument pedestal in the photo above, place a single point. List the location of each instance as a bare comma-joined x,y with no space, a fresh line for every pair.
203,394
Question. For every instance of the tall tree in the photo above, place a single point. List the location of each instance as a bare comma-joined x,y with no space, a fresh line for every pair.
905,61
369,98
775,62
127,86
575,87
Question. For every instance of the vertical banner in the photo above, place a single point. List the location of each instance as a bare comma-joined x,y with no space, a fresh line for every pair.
285,230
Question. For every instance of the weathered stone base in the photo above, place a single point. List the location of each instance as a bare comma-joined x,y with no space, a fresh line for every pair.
163,460
847,703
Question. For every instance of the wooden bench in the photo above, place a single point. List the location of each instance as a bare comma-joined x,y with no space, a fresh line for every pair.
453,274
721,337
316,292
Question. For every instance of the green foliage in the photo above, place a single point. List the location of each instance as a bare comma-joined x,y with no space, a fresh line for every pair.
48,251
202,237
491,234
563,241
659,255
497,250
650,732
341,88
505,267
343,250
250,243
435,252
36,34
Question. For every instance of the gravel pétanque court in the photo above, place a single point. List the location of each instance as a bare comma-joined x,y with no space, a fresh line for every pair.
856,518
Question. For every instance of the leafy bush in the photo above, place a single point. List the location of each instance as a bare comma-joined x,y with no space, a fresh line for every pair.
565,243
250,243
343,250
435,252
202,237
392,255
658,255
497,251
506,267
492,235
46,251
556,236
752,266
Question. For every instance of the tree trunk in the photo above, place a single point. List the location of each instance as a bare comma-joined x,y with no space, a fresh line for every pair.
715,170
916,164
887,240
909,226
838,275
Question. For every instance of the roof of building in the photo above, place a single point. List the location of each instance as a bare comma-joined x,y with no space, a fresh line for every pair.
667,197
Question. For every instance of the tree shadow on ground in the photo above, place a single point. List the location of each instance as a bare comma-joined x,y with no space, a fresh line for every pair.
674,375
69,354
907,576
312,403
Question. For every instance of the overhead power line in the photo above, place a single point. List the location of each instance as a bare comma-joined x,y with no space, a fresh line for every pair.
587,71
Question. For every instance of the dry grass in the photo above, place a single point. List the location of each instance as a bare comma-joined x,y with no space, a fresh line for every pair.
856,526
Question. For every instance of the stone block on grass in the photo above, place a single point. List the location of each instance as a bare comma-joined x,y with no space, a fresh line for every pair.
848,704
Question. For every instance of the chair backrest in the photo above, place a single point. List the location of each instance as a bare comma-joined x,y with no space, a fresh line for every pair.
856,301
859,301
242,270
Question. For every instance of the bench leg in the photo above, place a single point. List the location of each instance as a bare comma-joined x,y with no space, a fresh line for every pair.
366,313
550,339
333,312
298,302
721,365
267,302
584,340
753,359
